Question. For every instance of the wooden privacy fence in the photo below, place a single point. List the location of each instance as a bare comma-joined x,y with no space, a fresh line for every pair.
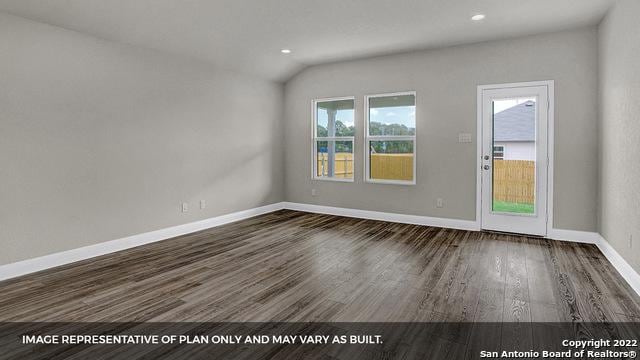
392,166
514,181
343,165
383,166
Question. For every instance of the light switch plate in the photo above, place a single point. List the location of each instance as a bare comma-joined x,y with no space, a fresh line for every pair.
464,137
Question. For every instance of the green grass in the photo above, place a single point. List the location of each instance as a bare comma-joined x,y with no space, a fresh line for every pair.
501,206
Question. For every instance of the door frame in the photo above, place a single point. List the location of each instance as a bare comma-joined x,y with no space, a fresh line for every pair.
550,145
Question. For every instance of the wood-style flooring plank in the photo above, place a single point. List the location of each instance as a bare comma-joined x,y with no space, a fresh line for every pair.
296,266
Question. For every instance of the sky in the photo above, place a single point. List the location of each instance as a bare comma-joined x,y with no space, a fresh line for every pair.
403,115
345,116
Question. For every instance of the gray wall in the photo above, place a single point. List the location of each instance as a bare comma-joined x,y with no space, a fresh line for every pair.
100,140
619,133
446,81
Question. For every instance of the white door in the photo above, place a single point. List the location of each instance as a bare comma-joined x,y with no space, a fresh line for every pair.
515,121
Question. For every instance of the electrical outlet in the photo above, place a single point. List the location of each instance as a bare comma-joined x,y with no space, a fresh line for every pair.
439,203
185,207
203,204
314,192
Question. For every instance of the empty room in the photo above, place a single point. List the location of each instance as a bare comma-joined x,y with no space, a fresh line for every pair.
280,179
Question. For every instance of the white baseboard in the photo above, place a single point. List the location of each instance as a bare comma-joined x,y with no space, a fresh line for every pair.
586,237
65,257
623,267
62,258
385,216
28,266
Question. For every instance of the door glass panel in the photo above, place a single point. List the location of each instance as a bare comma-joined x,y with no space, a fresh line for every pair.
514,155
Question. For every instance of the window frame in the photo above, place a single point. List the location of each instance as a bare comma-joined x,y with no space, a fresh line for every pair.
368,138
315,139
503,152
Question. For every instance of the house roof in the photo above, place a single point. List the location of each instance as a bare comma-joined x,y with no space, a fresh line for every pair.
517,123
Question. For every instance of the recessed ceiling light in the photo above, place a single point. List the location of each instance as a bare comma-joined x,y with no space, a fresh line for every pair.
285,51
478,17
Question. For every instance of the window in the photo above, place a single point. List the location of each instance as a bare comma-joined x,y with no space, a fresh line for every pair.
390,138
333,133
498,152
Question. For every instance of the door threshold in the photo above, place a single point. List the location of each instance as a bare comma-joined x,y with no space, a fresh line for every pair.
511,233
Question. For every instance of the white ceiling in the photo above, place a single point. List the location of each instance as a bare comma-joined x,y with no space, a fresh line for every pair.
247,35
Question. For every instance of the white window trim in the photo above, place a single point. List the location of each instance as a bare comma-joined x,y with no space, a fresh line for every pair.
315,139
368,138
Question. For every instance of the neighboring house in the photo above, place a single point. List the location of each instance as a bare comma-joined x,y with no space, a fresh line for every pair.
514,133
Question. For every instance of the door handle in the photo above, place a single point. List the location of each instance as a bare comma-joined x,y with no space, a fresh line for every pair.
486,167
486,157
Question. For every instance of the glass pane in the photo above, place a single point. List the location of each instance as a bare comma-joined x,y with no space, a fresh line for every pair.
514,155
392,115
391,160
335,118
498,152
334,159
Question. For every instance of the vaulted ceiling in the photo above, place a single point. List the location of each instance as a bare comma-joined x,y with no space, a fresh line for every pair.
247,35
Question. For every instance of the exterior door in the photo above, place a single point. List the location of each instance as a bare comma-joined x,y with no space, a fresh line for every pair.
514,162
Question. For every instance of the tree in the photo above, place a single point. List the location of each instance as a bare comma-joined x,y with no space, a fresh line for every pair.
376,128
391,147
341,130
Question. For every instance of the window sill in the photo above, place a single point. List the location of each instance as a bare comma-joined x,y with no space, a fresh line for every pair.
390,182
332,179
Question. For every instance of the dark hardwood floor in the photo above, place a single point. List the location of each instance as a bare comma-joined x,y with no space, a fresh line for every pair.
295,266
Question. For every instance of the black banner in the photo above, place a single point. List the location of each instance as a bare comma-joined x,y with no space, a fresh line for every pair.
313,340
